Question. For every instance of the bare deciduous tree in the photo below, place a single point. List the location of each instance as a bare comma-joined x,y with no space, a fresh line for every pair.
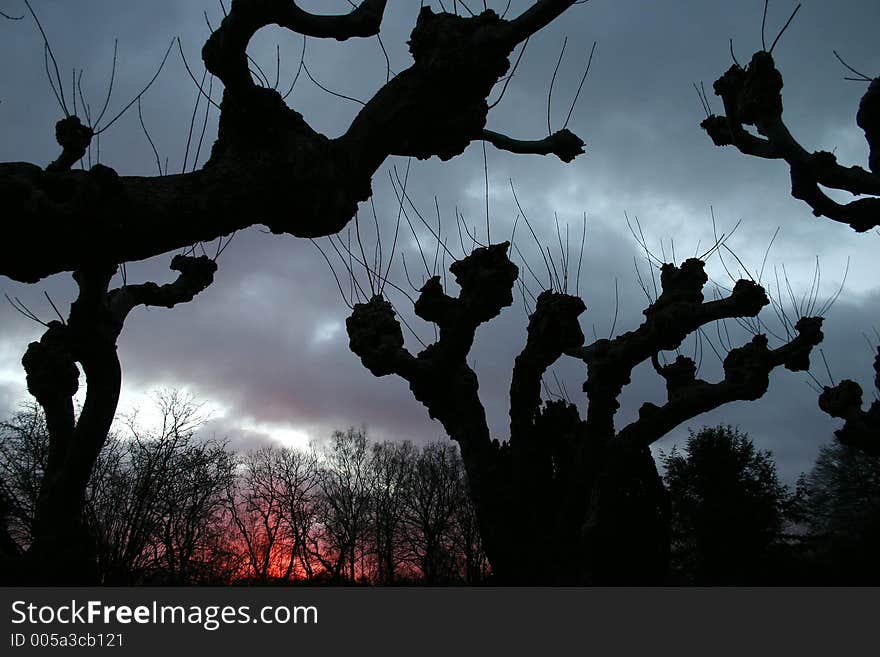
153,501
345,499
299,476
23,452
752,96
581,490
258,515
391,466
274,507
434,497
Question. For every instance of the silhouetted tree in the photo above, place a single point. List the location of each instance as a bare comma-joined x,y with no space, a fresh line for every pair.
840,505
61,546
435,493
267,166
391,469
299,477
258,511
727,508
578,489
861,428
473,566
345,504
24,447
274,510
752,96
152,501
9,550
132,496
190,542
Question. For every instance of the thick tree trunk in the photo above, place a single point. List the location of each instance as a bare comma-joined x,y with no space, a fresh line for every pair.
568,500
591,515
62,550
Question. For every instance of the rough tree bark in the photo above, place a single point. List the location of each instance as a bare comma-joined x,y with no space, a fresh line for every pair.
576,500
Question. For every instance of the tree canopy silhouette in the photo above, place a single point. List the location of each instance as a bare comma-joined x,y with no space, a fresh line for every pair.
839,502
727,505
580,489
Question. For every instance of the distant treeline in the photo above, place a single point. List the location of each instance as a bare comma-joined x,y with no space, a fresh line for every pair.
168,507
735,523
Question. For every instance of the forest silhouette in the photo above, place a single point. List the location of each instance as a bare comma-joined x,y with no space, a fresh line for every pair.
170,507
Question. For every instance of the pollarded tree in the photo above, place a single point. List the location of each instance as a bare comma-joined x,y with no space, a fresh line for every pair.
267,166
582,494
861,428
752,96
60,549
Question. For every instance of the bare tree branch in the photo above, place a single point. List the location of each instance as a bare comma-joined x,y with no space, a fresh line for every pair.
268,165
746,378
861,428
563,144
752,96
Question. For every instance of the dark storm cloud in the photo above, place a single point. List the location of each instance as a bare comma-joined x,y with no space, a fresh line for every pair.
267,341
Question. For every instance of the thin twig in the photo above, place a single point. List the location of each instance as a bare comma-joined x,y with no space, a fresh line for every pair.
149,138
552,80
143,91
61,100
862,77
784,27
511,74
580,86
329,91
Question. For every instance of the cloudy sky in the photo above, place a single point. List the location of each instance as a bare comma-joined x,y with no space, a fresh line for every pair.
265,346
